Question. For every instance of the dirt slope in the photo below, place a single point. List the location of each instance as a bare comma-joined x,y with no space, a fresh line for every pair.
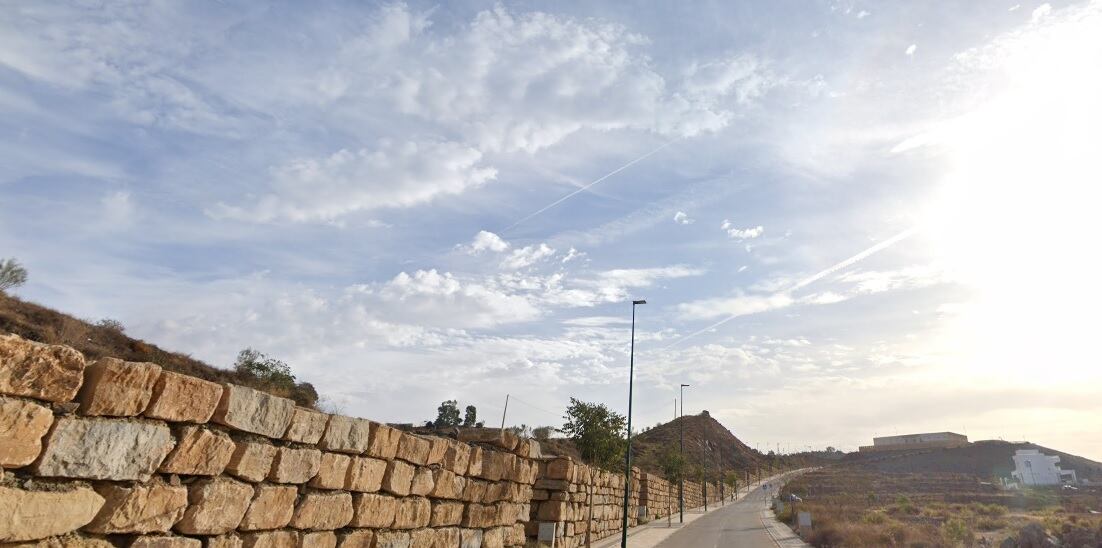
984,459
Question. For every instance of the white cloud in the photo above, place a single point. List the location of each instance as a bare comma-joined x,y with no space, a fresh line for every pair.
391,174
573,254
1042,11
741,233
118,210
911,49
863,14
682,218
527,256
487,241
431,298
741,305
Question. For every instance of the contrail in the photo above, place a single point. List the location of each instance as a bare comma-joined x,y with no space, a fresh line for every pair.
586,187
814,278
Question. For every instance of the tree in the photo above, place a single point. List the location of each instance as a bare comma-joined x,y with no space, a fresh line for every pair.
447,414
111,325
269,370
672,463
542,433
597,431
12,274
470,416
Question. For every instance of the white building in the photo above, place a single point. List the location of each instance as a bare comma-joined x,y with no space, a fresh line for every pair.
1031,467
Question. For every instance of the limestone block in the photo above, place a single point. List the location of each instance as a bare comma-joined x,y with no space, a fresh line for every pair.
111,449
323,511
365,474
293,465
373,510
356,538
493,465
514,536
413,513
398,477
438,449
470,538
493,538
475,490
22,425
41,371
392,539
271,508
253,411
413,449
561,468
479,515
215,506
251,460
422,482
33,515
346,435
161,541
474,462
457,458
332,471
307,426
383,443
445,484
183,398
65,541
422,537
199,452
318,539
138,509
446,513
270,539
447,537
534,450
224,541
116,388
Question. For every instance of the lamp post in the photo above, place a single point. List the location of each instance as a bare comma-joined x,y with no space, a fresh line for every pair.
627,456
681,476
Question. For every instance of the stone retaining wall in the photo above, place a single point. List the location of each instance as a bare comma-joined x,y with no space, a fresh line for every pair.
118,453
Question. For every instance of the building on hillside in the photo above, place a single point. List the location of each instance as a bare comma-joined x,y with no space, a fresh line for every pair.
906,442
1031,467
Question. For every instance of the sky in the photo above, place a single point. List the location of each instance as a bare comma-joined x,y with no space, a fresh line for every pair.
848,218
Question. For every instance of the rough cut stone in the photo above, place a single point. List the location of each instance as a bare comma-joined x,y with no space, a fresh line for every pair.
457,458
373,510
112,449
42,371
438,449
365,474
346,435
271,508
446,513
224,541
152,508
293,465
422,482
323,511
413,449
307,426
215,506
413,513
384,441
251,460
493,538
116,388
474,462
444,485
392,539
166,542
422,537
332,472
183,398
22,425
356,538
199,452
33,515
253,411
447,537
271,539
398,477
318,539
65,541
481,515
470,538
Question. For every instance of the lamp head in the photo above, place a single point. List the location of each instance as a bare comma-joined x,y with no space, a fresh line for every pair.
684,385
640,301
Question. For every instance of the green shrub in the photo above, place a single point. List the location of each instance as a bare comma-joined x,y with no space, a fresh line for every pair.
958,533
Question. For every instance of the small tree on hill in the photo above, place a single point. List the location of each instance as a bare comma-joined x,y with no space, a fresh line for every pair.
12,274
270,370
597,431
447,414
672,463
542,433
470,416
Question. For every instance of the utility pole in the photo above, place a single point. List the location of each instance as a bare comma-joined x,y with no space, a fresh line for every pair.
627,456
681,478
503,411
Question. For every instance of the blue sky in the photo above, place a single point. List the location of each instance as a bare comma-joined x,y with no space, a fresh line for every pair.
849,219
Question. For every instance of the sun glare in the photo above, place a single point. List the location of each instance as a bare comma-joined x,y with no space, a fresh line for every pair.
1017,217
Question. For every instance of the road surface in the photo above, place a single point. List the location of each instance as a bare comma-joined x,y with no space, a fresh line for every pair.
737,524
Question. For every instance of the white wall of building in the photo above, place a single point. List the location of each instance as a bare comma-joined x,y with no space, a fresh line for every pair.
1031,467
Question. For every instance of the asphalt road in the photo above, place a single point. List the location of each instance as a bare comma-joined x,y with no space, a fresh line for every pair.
738,524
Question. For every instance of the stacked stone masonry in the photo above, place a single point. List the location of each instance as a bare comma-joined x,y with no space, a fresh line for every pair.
115,453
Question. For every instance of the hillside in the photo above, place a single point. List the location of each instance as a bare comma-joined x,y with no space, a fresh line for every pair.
983,459
724,450
39,323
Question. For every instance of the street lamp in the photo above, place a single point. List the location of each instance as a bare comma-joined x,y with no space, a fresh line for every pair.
627,456
681,476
